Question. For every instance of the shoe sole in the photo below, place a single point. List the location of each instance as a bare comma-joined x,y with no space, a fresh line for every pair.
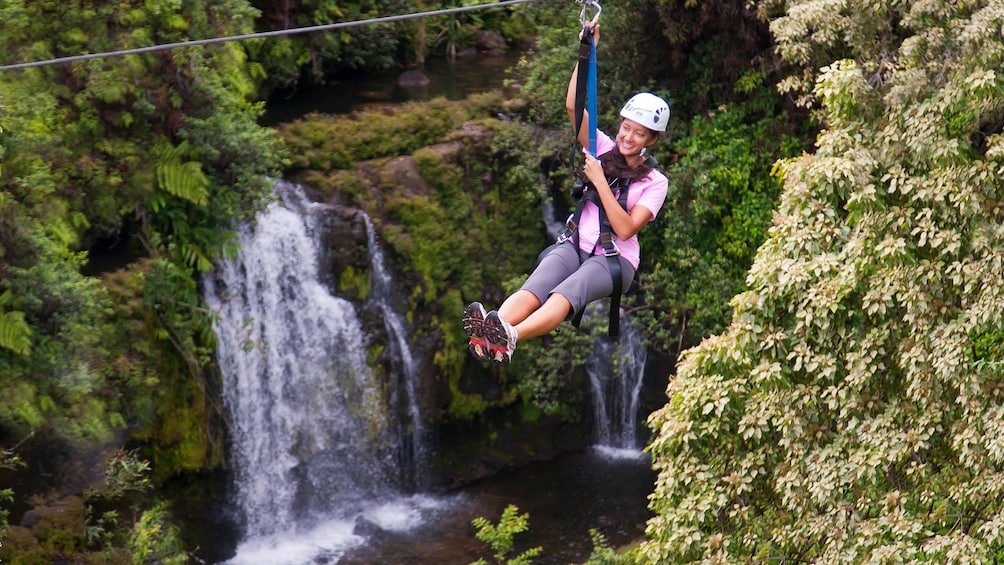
498,340
474,326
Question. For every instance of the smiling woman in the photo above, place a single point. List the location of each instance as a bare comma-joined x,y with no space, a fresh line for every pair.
597,255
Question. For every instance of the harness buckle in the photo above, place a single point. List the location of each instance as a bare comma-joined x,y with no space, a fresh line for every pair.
608,245
570,226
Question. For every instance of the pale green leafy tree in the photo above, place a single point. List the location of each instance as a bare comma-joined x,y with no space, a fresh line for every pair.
501,537
853,411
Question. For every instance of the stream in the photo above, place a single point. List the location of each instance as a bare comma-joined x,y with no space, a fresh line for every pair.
599,489
453,81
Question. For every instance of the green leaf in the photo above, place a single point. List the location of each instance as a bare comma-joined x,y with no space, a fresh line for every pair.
15,334
183,179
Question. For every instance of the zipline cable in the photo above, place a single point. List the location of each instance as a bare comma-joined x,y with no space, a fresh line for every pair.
258,35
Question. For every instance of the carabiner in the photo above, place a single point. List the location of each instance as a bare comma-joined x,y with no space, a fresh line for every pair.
583,16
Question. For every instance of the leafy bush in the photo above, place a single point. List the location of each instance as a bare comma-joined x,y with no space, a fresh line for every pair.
156,540
501,537
717,211
321,143
842,416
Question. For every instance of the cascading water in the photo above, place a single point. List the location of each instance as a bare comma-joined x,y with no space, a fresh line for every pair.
314,446
616,370
412,430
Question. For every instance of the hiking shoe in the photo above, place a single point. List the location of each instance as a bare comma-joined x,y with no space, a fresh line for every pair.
501,338
474,326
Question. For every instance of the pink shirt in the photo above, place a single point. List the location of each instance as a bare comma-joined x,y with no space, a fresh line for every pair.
649,191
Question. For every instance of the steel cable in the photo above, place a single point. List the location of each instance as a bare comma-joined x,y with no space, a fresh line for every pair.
258,35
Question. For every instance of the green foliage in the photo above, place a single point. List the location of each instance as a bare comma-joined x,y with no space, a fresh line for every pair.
15,334
55,382
544,71
162,150
716,215
291,60
155,539
323,144
285,60
101,533
603,554
500,537
6,497
183,179
454,33
125,474
843,415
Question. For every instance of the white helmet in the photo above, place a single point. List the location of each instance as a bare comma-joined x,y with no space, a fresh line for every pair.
648,110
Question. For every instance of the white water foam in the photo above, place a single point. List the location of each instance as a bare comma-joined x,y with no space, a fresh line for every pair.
619,453
328,541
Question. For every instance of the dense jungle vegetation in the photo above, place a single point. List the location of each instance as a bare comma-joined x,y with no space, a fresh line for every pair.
827,265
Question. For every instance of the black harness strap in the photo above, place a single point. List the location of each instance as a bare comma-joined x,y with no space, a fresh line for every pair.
581,85
585,193
612,254
606,243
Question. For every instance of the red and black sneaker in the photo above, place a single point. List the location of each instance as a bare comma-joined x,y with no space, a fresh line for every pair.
474,326
501,338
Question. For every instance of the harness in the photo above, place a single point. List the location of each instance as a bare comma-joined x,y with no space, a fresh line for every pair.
605,242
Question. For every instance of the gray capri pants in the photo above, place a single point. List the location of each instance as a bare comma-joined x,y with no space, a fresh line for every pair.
581,278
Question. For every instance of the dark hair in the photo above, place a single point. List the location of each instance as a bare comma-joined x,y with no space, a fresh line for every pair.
615,165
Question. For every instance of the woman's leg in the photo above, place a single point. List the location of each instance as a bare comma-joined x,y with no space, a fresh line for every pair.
519,306
544,319
556,264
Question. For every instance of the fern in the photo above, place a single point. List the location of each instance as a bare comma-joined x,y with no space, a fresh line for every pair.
15,333
183,179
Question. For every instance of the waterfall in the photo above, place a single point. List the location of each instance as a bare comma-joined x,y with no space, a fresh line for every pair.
616,370
313,442
413,429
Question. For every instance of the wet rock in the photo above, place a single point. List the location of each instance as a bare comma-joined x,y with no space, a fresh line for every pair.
31,518
413,79
491,42
365,528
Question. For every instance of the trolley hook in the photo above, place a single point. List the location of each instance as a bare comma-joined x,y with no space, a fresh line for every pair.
583,16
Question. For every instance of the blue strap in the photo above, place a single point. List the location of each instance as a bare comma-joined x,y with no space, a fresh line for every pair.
591,95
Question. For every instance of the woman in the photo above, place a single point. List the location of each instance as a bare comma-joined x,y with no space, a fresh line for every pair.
569,276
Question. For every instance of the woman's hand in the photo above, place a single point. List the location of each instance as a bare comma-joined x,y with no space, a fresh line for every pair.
596,33
593,169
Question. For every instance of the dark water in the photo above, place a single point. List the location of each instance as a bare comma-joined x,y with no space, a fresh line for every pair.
601,489
564,498
453,81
